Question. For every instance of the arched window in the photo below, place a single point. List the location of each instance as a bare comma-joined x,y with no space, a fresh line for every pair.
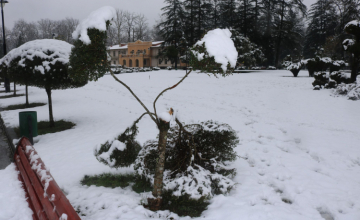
124,62
130,63
137,63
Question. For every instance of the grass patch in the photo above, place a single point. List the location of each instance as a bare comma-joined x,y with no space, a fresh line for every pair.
43,127
23,106
182,205
11,96
117,180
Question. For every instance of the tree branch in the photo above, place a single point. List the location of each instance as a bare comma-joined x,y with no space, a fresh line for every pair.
126,86
161,93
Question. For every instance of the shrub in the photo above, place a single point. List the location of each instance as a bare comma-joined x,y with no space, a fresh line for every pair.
122,151
196,161
352,90
321,79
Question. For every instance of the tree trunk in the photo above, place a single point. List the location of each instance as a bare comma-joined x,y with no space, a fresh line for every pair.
155,203
14,88
354,68
51,118
277,54
27,96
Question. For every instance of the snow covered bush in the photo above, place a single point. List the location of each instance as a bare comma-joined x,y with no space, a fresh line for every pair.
249,54
321,64
294,67
321,79
215,53
351,91
337,65
196,162
339,77
122,151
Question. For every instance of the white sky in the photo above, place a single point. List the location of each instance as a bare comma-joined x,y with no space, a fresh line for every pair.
34,10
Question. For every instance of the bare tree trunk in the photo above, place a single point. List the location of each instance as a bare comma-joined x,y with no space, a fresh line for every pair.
14,88
51,118
155,203
354,68
27,96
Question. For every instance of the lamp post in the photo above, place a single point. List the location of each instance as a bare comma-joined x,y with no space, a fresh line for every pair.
7,82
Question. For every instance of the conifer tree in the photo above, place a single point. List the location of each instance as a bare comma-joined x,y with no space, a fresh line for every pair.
172,28
352,46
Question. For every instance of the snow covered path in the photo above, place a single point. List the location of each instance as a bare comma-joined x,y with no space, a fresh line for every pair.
299,149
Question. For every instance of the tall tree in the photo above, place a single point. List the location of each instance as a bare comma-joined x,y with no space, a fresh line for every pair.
282,9
323,21
171,28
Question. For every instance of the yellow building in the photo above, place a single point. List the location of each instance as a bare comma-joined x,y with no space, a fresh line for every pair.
139,54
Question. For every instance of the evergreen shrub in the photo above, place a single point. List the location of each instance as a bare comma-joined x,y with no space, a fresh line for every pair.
321,79
196,165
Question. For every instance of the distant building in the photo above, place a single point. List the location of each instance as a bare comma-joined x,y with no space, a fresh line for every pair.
139,54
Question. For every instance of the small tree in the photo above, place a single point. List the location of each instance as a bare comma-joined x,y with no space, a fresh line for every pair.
353,46
216,52
44,64
293,66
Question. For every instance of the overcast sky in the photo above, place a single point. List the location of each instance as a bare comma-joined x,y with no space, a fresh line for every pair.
34,10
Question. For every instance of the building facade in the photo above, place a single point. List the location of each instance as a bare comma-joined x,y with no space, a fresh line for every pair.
139,54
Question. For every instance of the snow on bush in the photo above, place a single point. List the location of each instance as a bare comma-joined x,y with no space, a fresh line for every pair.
216,44
97,20
49,50
351,91
196,161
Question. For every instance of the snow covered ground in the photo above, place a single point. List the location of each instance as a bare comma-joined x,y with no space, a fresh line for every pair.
299,149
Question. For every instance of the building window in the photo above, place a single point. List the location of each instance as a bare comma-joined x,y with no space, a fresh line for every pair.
114,62
160,61
114,54
165,61
137,63
124,62
144,62
130,63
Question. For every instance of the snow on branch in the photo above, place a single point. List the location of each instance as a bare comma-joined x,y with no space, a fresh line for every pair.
97,19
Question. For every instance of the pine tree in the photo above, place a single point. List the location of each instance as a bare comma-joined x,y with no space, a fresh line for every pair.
171,29
323,21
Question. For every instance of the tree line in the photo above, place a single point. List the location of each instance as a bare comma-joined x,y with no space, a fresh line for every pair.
279,27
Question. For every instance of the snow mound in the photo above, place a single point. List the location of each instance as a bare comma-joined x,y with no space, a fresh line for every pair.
97,19
59,52
220,46
353,22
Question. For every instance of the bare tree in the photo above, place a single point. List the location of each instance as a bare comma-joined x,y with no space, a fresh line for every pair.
141,27
130,20
46,28
24,31
119,24
65,28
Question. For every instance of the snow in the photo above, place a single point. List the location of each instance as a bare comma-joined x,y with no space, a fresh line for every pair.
165,116
348,42
97,19
13,205
353,22
220,46
40,48
106,155
299,155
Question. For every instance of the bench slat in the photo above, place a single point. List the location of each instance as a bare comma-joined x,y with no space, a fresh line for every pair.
28,186
47,206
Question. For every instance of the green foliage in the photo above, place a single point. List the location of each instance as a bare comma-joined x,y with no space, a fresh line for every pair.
183,205
109,180
205,146
121,158
44,127
339,77
208,63
89,62
249,53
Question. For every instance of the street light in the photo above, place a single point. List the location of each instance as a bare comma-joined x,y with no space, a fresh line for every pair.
7,82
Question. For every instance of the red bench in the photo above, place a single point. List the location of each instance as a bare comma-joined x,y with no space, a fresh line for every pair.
43,194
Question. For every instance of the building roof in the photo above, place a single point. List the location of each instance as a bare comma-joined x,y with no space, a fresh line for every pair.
125,46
